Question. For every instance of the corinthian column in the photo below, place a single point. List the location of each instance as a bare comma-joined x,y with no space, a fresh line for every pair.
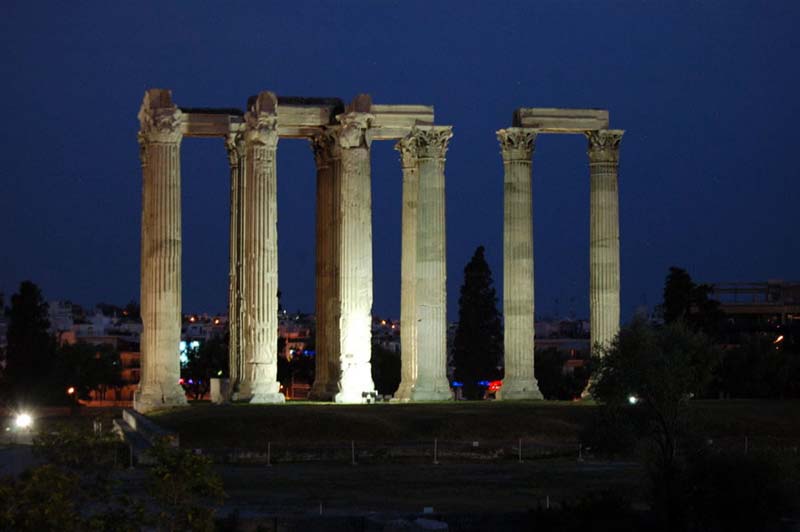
160,140
604,236
234,144
431,274
261,252
327,157
408,279
517,146
355,260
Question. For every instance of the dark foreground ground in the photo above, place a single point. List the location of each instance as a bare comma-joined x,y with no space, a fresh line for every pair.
479,474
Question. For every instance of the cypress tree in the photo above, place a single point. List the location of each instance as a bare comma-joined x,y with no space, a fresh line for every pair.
478,344
30,351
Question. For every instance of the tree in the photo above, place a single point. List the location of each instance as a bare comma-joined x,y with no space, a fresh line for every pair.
685,300
554,383
478,343
87,367
758,368
661,369
185,489
205,362
385,369
30,351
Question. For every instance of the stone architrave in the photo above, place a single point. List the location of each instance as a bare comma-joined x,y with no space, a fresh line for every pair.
408,323
328,160
604,270
160,140
355,259
234,144
430,266
260,383
517,147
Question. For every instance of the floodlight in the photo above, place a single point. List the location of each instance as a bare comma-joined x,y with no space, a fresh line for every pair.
23,421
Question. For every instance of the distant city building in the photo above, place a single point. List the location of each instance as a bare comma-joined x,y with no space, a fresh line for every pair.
770,307
297,331
386,333
771,302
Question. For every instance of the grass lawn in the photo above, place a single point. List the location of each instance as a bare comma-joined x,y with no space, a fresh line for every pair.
243,425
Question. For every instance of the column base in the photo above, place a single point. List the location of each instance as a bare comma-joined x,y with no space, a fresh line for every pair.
155,396
267,398
432,392
266,393
241,392
519,389
325,391
355,397
404,393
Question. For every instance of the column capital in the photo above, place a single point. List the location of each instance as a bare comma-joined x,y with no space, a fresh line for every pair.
159,118
408,148
517,143
432,141
325,146
604,145
261,120
233,145
354,132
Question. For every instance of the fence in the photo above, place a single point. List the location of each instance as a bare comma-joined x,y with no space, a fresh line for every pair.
398,452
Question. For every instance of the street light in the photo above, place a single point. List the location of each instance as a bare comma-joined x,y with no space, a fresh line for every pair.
632,399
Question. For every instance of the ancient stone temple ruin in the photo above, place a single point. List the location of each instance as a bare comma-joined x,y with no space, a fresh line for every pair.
517,145
340,138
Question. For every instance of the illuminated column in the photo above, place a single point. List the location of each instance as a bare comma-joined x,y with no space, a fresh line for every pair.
355,260
234,144
431,274
408,323
159,140
604,235
326,155
517,146
261,253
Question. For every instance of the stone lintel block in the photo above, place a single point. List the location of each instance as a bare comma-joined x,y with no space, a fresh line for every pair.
553,120
307,119
402,116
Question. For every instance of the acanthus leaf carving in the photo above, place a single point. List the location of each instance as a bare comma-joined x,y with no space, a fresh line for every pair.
517,143
408,148
325,147
353,133
159,118
604,145
432,141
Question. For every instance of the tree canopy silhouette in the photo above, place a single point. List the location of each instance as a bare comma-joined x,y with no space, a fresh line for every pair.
478,344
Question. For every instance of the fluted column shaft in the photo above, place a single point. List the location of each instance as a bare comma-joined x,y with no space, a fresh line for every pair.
408,323
355,260
261,253
604,284
517,147
431,274
160,139
327,158
234,144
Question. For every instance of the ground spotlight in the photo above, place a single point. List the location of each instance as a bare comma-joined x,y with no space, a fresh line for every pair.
23,421
632,399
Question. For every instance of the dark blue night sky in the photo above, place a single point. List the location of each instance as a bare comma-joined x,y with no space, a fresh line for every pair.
707,91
